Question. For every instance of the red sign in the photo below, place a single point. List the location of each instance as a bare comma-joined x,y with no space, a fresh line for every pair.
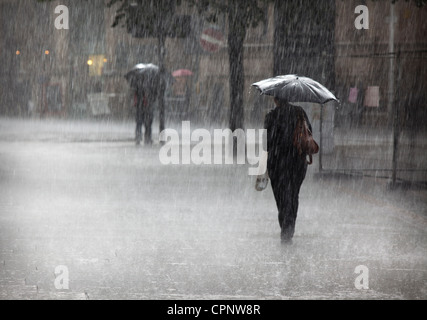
211,40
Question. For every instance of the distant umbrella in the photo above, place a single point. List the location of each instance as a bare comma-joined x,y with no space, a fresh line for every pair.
294,88
142,70
144,75
182,73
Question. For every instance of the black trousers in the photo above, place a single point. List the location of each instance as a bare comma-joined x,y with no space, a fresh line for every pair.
286,178
143,116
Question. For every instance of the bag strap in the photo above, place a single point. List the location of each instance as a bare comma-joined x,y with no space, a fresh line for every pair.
304,123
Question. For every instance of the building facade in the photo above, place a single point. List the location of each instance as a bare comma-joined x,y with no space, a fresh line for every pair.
79,71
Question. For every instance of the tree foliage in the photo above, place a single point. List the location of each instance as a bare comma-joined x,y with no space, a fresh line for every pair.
146,17
250,12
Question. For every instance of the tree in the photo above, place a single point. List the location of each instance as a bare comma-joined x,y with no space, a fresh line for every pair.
304,39
150,18
241,14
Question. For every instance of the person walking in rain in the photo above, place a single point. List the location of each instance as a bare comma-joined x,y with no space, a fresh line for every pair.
285,166
288,149
144,115
145,98
144,79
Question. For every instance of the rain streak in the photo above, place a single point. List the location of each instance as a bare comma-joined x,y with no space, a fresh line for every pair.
213,150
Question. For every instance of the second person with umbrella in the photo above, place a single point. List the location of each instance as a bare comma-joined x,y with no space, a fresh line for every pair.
144,79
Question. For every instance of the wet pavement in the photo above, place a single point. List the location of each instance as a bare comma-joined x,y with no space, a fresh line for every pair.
86,214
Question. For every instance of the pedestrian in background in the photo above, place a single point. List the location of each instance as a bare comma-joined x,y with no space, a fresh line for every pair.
144,79
145,98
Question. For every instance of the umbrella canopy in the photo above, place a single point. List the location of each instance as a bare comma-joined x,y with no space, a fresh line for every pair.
141,69
182,73
143,75
294,88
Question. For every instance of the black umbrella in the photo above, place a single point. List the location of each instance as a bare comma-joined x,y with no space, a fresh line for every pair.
147,75
294,88
142,69
141,74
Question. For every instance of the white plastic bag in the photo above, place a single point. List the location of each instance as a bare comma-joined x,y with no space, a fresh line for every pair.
262,177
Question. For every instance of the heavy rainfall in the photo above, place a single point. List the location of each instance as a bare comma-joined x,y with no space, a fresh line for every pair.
114,186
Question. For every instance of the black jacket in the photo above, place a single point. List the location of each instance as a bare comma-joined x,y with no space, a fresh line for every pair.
280,124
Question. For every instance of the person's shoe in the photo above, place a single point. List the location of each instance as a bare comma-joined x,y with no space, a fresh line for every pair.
286,241
286,235
138,137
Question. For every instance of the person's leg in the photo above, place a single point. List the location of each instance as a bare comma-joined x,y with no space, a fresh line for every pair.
289,209
288,227
138,130
292,202
276,187
282,194
148,121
